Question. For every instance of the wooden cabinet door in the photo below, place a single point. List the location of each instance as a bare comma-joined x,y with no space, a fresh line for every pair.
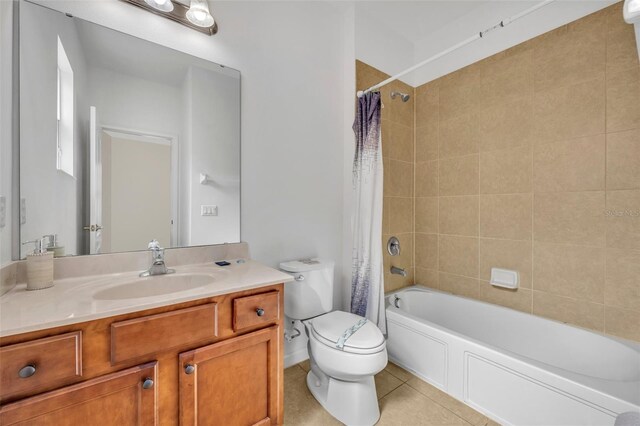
236,382
124,398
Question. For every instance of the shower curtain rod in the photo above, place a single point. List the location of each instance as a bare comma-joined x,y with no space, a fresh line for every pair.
471,39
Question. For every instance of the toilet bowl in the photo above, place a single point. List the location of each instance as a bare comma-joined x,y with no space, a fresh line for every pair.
345,350
341,379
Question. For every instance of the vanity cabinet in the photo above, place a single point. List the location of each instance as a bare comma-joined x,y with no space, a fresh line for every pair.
39,364
127,397
188,363
244,368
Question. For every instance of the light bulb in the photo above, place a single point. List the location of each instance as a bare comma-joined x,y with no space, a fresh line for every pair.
162,5
199,15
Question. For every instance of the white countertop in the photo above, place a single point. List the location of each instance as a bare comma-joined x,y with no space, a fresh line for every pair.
75,300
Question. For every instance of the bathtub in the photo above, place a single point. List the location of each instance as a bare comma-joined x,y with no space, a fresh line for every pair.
515,368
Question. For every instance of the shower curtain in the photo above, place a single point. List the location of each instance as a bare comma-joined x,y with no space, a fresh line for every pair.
367,285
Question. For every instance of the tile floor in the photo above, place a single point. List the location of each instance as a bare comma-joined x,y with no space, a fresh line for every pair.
405,400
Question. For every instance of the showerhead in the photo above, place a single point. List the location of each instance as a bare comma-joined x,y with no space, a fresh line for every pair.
404,96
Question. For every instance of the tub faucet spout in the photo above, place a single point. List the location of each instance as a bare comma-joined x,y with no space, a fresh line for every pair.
398,271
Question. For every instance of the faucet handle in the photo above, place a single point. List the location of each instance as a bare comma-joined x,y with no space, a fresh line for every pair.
154,245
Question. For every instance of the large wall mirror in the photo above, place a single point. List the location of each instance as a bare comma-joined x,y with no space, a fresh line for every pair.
123,141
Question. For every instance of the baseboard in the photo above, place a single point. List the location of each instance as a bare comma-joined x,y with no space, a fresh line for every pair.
296,357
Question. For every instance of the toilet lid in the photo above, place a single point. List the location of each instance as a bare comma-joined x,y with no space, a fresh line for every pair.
306,265
330,327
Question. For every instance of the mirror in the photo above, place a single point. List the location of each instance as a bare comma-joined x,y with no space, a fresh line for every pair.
122,140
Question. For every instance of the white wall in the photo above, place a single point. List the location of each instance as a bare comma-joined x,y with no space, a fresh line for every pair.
52,197
380,46
214,132
6,39
184,224
129,102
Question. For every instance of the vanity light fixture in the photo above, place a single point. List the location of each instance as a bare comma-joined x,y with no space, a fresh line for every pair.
199,14
196,15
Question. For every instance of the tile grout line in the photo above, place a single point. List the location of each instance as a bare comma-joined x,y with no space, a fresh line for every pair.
533,212
440,405
606,193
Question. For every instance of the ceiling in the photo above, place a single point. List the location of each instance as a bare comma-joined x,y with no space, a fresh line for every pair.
415,20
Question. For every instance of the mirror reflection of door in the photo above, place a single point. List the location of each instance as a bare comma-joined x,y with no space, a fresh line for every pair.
136,194
95,185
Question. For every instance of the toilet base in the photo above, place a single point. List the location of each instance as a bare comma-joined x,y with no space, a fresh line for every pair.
353,403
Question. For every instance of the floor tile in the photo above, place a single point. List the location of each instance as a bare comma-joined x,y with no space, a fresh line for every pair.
404,399
305,365
447,401
300,407
385,383
406,406
399,372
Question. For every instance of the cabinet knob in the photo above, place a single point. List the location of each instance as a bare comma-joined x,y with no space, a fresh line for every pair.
147,384
27,371
260,312
189,369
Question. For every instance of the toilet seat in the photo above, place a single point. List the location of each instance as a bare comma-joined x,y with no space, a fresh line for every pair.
329,328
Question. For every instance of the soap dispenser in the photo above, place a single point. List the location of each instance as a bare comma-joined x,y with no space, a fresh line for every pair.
39,266
54,246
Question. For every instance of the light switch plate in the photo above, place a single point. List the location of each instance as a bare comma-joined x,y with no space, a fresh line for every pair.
208,210
3,211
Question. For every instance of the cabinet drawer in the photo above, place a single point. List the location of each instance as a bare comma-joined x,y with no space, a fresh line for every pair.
30,367
158,333
256,310
126,397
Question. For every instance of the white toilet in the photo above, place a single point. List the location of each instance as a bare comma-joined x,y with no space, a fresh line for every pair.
345,350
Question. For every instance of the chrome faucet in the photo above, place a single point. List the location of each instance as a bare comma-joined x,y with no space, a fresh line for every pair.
398,271
157,261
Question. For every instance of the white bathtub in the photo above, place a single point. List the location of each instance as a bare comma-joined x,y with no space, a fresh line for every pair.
516,368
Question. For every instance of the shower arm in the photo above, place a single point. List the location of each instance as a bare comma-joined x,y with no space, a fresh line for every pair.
463,43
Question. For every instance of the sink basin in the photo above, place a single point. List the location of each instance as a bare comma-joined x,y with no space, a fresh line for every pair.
155,286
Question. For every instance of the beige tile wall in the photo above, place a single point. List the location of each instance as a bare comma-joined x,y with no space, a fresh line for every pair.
398,158
530,160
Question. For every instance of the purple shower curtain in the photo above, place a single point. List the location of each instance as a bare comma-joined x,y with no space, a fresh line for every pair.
367,286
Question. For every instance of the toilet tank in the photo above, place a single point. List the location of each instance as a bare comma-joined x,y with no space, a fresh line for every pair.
311,292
